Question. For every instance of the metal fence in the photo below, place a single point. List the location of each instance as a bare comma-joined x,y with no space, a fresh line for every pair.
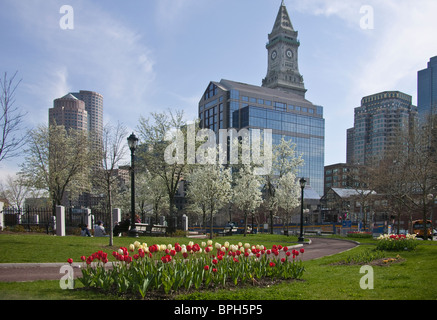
44,218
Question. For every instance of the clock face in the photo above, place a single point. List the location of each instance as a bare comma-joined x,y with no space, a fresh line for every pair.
274,55
289,53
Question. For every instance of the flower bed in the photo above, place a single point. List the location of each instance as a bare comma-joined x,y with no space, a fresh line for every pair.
140,268
359,234
396,242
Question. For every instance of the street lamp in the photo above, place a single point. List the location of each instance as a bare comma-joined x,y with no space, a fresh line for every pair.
302,182
132,141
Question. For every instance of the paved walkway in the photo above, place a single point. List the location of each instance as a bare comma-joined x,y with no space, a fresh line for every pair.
19,272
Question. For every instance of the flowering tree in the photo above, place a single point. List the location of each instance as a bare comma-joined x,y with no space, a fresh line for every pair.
247,192
209,188
285,160
152,193
58,161
287,194
154,135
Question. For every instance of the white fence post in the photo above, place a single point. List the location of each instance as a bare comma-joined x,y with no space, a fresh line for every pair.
116,216
60,221
2,217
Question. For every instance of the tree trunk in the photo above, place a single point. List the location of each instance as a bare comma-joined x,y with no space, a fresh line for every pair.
245,223
211,229
111,221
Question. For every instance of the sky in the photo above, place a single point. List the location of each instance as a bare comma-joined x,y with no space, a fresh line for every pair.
156,55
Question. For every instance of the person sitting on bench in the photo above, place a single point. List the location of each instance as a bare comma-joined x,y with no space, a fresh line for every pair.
122,226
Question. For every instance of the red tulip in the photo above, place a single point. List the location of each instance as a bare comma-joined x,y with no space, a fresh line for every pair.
70,261
302,250
206,268
272,264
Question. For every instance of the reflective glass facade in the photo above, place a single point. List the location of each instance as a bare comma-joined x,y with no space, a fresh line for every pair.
240,106
427,89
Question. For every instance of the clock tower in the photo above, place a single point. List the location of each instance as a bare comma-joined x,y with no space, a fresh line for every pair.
283,71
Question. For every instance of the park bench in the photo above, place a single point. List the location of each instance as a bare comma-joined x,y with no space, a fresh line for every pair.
142,229
228,231
313,232
151,230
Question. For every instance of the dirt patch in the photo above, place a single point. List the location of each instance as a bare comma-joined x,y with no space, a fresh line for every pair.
161,295
386,261
383,262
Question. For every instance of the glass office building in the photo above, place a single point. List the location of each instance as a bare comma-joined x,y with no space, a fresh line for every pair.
427,89
228,104
279,104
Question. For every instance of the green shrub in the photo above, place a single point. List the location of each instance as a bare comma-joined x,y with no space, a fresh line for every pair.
357,234
395,242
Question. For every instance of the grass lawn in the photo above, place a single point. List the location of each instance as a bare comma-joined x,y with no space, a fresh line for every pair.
413,276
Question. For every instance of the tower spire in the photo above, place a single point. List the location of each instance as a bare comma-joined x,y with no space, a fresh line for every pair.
283,71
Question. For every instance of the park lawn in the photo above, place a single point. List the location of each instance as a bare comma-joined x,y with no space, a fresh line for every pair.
41,248
412,277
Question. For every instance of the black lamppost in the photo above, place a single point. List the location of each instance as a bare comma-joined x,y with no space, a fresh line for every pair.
132,142
302,182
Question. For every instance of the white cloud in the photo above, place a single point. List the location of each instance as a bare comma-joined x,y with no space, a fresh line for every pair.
403,45
399,45
100,54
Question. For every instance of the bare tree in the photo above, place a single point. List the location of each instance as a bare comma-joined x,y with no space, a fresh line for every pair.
16,190
104,174
10,118
422,164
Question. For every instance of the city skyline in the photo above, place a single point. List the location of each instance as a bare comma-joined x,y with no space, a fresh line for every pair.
145,57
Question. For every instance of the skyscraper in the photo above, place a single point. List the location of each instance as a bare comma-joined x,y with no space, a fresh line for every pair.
427,89
279,104
94,107
69,112
377,123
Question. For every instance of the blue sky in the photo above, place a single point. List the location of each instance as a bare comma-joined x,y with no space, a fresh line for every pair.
152,55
